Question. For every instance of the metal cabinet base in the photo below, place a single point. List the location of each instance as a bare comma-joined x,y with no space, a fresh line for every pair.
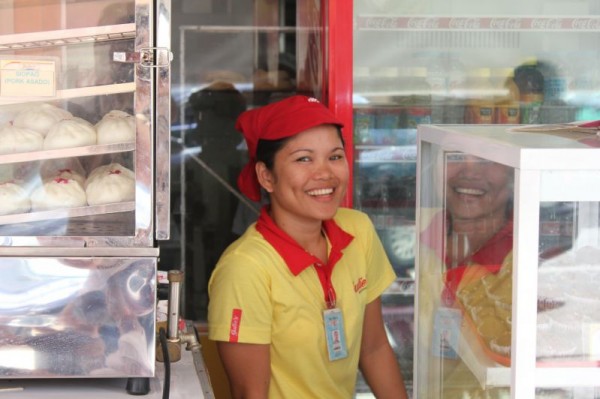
77,317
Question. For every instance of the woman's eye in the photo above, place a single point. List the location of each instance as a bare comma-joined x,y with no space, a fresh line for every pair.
303,159
337,157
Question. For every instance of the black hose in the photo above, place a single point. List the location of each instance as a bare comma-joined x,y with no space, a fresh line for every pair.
165,350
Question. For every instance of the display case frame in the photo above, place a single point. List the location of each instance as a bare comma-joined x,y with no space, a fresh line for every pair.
81,282
547,167
150,152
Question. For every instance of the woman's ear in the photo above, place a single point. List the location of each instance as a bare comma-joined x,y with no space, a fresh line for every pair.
265,176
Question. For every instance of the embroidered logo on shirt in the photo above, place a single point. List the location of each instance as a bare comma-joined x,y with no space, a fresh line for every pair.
234,328
360,285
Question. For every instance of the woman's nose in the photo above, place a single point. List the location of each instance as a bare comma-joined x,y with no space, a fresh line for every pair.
323,171
471,167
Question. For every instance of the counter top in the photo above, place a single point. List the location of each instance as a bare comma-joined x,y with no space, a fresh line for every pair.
189,379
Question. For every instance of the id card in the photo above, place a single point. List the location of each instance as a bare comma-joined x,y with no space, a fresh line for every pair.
446,330
334,333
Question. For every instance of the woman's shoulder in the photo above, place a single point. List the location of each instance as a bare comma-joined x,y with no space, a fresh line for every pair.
352,218
251,247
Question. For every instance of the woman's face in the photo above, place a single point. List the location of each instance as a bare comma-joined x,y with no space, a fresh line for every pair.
309,176
477,188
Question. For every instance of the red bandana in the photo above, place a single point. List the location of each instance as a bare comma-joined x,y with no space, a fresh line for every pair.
278,120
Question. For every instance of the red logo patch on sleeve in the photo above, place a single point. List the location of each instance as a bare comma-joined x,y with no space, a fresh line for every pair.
360,285
234,328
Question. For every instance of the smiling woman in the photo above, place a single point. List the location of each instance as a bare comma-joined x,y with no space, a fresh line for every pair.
298,295
309,177
478,204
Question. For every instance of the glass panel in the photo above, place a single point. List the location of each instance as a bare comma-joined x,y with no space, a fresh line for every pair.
465,281
232,58
59,84
51,15
460,62
568,322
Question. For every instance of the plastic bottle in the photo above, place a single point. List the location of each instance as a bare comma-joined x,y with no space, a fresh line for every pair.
418,110
507,103
530,81
454,106
364,123
437,80
402,99
479,108
388,121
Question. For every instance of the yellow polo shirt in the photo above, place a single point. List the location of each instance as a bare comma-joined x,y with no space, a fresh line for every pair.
256,297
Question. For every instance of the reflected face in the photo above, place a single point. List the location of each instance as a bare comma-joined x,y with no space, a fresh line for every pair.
477,188
309,176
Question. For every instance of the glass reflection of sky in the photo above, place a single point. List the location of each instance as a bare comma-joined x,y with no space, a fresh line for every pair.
22,358
34,284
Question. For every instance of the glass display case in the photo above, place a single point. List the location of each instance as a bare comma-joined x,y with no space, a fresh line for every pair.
507,262
84,183
458,62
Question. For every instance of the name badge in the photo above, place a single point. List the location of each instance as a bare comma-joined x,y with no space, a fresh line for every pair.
334,332
446,333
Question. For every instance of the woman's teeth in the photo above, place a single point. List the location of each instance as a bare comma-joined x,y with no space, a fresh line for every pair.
469,191
322,191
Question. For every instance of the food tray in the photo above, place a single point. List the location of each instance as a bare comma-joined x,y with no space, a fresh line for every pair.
67,213
67,152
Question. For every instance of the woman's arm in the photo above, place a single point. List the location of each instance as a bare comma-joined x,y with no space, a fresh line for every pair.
377,362
248,369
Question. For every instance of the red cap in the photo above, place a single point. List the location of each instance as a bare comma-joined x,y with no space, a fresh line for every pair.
281,119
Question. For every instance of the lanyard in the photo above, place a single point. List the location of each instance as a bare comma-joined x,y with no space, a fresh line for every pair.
324,273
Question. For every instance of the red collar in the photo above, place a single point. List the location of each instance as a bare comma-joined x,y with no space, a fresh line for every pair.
295,257
492,253
496,248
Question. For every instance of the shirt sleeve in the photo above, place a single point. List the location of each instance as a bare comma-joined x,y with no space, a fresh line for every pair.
239,308
380,272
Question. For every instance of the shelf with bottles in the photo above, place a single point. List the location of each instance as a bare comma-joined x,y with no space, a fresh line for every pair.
390,126
534,92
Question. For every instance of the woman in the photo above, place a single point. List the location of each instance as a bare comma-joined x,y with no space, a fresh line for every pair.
479,218
295,302
467,258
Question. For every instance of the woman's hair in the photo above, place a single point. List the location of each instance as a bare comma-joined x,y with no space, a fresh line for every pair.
266,149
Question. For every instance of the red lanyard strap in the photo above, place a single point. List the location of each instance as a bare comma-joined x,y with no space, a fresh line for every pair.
324,273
